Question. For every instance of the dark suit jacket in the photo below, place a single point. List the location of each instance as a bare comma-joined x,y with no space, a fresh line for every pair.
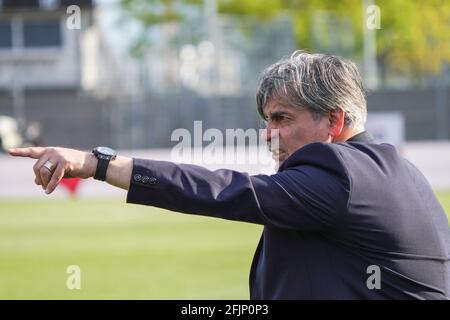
331,213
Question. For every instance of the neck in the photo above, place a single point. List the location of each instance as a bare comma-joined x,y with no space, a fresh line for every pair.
347,133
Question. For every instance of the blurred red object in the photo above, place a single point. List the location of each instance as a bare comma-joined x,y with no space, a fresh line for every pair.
71,184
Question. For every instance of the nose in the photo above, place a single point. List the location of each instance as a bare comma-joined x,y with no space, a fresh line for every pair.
270,132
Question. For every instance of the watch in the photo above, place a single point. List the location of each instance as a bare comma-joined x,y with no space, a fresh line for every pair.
104,156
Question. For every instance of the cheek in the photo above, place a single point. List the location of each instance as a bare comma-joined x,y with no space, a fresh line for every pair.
292,139
322,133
316,131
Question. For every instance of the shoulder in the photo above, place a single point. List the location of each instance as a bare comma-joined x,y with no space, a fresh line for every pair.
317,176
338,158
324,152
317,154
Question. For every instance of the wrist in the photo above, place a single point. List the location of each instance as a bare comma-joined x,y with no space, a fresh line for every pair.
104,156
91,164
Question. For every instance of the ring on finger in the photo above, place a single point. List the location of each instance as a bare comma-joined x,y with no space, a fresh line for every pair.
49,165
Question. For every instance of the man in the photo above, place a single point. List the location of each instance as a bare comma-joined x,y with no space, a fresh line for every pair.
344,218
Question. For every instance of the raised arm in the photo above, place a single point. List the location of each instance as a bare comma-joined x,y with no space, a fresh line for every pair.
305,197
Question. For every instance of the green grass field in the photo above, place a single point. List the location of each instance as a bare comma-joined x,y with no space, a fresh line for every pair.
124,251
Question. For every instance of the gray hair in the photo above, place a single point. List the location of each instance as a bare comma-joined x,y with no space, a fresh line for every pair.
321,83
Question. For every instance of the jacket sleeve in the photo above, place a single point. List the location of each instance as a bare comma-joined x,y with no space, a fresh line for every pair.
303,197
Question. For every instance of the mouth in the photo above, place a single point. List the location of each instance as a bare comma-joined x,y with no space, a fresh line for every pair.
279,155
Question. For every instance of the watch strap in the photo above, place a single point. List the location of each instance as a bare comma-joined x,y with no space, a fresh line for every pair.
102,166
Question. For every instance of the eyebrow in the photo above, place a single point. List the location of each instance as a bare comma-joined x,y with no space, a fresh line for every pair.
277,114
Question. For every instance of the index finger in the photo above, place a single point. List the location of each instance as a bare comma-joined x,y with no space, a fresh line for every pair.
31,152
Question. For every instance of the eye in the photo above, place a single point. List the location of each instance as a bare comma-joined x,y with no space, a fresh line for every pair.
278,118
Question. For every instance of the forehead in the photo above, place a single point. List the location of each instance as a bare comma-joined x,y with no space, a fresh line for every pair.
273,106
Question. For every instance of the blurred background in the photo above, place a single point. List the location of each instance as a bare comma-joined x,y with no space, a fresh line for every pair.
126,73
135,70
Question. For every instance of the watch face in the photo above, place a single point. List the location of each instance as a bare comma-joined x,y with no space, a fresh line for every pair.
106,151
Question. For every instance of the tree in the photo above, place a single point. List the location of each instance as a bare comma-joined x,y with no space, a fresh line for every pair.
414,35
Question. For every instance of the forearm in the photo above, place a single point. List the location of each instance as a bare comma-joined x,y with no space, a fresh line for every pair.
193,189
118,173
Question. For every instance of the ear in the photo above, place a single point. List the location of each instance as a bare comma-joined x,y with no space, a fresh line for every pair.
336,123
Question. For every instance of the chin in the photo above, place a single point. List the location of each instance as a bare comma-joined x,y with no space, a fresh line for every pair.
282,158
